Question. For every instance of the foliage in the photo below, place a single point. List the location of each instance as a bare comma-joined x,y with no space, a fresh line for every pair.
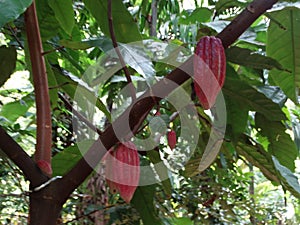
255,175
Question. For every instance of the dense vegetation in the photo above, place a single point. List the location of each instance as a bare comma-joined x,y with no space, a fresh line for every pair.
66,92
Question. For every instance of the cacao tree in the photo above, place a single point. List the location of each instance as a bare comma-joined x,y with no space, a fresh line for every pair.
152,112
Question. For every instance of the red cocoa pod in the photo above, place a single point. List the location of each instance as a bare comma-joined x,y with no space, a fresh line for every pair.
122,170
209,70
157,113
45,167
171,139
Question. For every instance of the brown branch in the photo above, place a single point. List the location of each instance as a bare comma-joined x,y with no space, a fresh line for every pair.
153,18
142,106
40,82
117,49
244,20
16,154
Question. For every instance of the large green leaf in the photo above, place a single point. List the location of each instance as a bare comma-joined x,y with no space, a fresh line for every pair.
257,156
237,118
13,110
11,9
63,10
143,202
198,15
49,26
290,179
281,145
246,57
248,98
77,88
133,55
103,43
283,44
8,58
125,28
63,161
274,93
268,165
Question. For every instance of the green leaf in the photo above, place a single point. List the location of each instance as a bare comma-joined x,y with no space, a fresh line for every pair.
250,99
143,203
8,58
180,221
281,145
162,171
77,88
258,157
135,56
268,165
290,178
246,57
49,26
283,44
103,43
63,161
11,9
198,15
274,93
237,118
63,10
13,110
125,28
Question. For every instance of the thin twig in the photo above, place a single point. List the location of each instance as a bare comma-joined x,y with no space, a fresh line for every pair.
15,36
115,44
18,180
53,50
78,114
91,212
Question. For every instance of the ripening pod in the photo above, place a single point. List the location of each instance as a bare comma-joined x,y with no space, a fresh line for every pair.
171,139
122,170
209,70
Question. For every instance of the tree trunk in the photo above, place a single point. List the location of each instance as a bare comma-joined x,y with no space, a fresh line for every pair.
43,210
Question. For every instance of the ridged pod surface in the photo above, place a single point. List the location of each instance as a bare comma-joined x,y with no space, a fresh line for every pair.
209,70
171,136
122,170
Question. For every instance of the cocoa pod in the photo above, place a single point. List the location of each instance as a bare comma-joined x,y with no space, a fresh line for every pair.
157,113
171,139
122,170
209,70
